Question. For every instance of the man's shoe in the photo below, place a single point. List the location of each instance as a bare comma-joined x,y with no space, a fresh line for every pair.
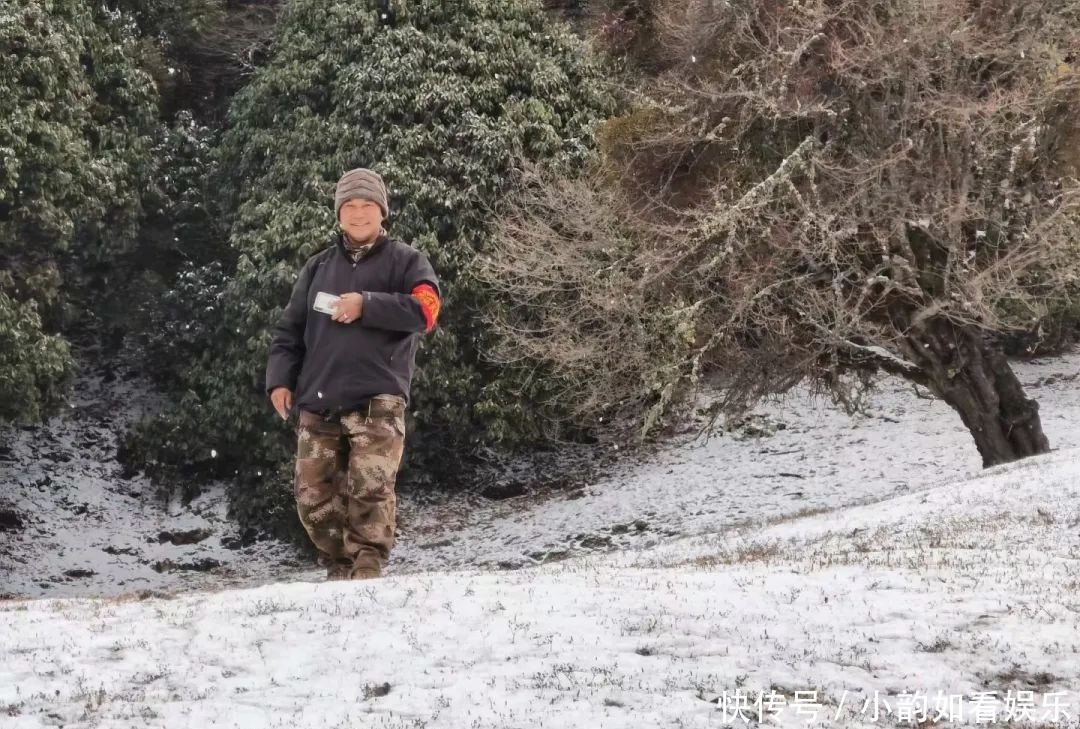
365,567
365,573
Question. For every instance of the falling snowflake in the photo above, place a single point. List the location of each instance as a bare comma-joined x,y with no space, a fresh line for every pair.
213,453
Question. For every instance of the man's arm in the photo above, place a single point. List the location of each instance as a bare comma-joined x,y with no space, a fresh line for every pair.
415,310
287,346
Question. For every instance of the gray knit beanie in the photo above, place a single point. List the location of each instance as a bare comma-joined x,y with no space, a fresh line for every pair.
361,184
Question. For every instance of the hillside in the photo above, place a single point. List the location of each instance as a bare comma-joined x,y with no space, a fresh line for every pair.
88,529
967,588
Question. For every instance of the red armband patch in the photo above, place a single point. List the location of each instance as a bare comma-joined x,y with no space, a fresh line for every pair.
429,302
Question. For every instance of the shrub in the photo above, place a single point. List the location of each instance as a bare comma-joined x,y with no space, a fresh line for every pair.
76,131
444,100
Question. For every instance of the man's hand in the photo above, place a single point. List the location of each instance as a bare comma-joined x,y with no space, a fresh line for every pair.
349,308
281,397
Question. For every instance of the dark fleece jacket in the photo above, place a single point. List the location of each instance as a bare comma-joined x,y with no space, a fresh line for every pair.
329,364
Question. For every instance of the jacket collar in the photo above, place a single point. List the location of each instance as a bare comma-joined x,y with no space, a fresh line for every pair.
377,245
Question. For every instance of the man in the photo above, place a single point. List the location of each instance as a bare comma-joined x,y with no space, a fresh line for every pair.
351,368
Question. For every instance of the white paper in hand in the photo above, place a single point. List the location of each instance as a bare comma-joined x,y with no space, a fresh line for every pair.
326,303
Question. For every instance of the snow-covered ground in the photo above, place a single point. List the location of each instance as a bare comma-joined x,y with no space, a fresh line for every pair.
87,531
816,458
959,601
835,564
72,523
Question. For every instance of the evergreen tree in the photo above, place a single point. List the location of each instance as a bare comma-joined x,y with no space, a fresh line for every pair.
445,100
76,131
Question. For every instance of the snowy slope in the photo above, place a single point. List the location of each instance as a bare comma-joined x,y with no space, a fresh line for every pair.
90,532
73,523
815,458
961,592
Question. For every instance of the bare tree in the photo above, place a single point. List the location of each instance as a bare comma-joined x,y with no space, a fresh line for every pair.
812,191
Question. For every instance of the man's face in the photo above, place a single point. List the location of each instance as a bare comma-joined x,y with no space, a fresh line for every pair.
361,219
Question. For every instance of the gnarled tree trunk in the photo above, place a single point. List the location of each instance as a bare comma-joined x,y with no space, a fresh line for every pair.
975,379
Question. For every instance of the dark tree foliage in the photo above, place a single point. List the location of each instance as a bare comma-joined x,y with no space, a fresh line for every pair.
445,100
77,129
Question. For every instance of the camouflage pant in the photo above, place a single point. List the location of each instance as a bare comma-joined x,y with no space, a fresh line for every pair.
345,479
